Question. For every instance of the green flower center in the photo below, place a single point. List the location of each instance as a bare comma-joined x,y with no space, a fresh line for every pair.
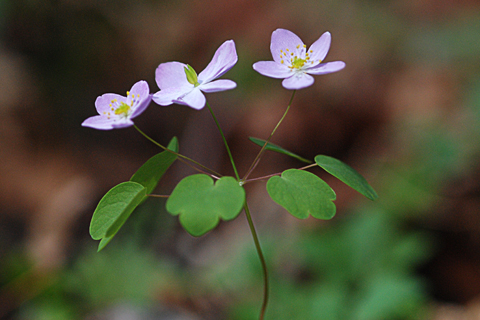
293,58
297,63
122,109
191,75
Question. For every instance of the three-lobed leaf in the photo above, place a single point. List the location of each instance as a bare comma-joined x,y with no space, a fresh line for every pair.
276,148
347,175
201,203
302,194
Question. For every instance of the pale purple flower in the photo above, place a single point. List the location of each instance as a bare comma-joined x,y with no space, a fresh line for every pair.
294,63
116,111
179,83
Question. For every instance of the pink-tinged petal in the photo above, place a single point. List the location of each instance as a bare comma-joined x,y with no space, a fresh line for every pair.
140,92
123,123
194,99
319,49
218,85
102,104
142,106
325,68
141,89
283,39
272,69
98,122
298,81
224,59
168,96
171,75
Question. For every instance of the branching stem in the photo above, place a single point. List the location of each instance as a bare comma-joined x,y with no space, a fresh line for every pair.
259,155
250,224
277,174
224,141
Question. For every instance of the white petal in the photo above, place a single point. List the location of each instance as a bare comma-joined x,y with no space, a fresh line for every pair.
123,123
319,48
194,99
282,40
168,96
272,69
325,68
171,74
298,81
102,104
140,89
98,122
224,59
141,106
218,85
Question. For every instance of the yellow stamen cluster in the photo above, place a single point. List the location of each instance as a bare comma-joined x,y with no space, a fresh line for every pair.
122,108
296,61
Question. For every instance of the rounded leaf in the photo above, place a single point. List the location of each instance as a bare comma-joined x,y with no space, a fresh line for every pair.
302,194
201,203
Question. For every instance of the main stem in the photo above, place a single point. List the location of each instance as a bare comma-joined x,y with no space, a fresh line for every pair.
250,224
262,261
257,158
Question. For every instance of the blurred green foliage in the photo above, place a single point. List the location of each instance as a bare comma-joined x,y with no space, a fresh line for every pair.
363,267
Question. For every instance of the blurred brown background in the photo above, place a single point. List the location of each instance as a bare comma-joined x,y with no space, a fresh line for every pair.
405,113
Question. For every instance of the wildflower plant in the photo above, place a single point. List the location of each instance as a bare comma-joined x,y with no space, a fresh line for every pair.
201,200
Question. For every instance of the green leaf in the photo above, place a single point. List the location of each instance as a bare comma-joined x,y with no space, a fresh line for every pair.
201,203
273,147
103,243
302,194
153,170
347,175
115,208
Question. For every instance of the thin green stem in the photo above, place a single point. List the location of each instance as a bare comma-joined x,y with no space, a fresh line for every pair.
309,166
262,261
250,223
224,141
214,174
259,155
261,178
276,174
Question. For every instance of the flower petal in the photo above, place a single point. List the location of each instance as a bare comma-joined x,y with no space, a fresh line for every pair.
141,91
171,74
122,123
298,81
283,39
98,122
194,99
102,104
140,88
141,106
319,49
325,68
166,97
224,59
272,69
218,85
